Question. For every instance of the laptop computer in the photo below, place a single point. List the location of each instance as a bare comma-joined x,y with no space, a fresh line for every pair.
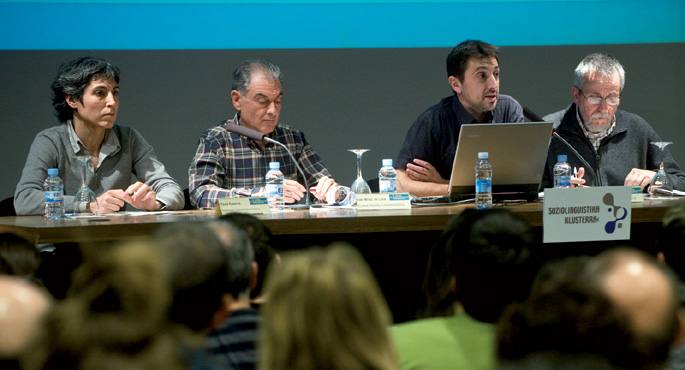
517,153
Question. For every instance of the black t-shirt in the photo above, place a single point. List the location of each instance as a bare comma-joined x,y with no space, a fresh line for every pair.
433,136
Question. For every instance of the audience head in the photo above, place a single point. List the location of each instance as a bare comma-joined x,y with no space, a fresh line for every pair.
114,315
22,307
18,256
72,79
325,311
261,244
646,292
596,91
240,265
197,273
671,240
564,315
491,253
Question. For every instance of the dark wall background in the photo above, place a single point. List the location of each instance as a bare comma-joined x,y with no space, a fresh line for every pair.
341,98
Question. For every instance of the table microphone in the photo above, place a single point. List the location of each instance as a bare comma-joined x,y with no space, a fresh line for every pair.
258,136
536,118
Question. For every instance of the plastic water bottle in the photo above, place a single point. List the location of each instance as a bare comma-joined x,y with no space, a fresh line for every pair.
483,181
274,187
54,195
562,172
387,177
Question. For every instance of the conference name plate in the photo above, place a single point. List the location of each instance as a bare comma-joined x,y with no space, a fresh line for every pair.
251,205
384,201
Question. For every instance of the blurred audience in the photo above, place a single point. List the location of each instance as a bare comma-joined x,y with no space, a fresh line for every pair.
114,316
18,256
487,260
232,345
22,307
560,361
264,254
325,311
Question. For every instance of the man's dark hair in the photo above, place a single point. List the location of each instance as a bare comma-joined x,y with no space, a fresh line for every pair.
72,79
261,244
239,257
242,74
559,361
459,57
197,270
493,260
18,256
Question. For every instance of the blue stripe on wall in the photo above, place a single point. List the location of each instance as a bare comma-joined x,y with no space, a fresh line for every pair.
215,24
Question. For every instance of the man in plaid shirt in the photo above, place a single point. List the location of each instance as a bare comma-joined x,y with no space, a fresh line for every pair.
228,164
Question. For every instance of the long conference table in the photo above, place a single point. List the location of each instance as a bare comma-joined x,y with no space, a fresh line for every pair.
395,243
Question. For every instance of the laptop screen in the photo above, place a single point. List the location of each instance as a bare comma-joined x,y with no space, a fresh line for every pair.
517,153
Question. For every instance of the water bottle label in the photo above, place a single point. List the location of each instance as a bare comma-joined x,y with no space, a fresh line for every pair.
274,190
563,181
483,185
387,186
53,197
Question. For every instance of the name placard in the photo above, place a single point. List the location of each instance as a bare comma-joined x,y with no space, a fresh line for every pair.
587,214
252,205
384,201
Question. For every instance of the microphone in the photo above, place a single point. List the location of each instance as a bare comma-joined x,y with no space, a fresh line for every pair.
575,152
258,136
536,118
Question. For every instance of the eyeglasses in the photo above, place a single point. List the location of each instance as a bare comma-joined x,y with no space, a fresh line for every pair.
611,100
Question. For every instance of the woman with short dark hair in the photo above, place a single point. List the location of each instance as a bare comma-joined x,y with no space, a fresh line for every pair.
125,167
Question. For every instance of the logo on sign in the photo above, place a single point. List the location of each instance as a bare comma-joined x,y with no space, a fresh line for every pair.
619,213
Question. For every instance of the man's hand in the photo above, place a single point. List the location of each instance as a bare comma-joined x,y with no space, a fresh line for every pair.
419,170
293,191
142,196
639,177
325,183
577,177
110,201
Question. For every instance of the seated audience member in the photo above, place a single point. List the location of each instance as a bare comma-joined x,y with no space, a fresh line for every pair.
264,254
492,265
622,305
325,311
424,163
114,317
615,145
18,256
85,96
670,249
233,344
22,307
197,273
229,164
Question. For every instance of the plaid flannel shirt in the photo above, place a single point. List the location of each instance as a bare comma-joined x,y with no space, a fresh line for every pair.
228,164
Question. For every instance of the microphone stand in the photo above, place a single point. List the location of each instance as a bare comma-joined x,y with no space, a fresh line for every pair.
299,169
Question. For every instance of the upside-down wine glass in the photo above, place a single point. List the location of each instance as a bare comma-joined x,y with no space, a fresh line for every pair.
85,198
660,181
359,186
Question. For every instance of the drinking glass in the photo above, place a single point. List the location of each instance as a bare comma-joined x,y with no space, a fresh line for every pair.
359,186
85,199
660,181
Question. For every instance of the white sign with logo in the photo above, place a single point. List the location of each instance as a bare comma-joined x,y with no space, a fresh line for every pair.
586,214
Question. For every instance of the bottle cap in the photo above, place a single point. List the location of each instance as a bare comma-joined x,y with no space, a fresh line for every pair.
562,158
53,172
482,155
387,162
274,165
